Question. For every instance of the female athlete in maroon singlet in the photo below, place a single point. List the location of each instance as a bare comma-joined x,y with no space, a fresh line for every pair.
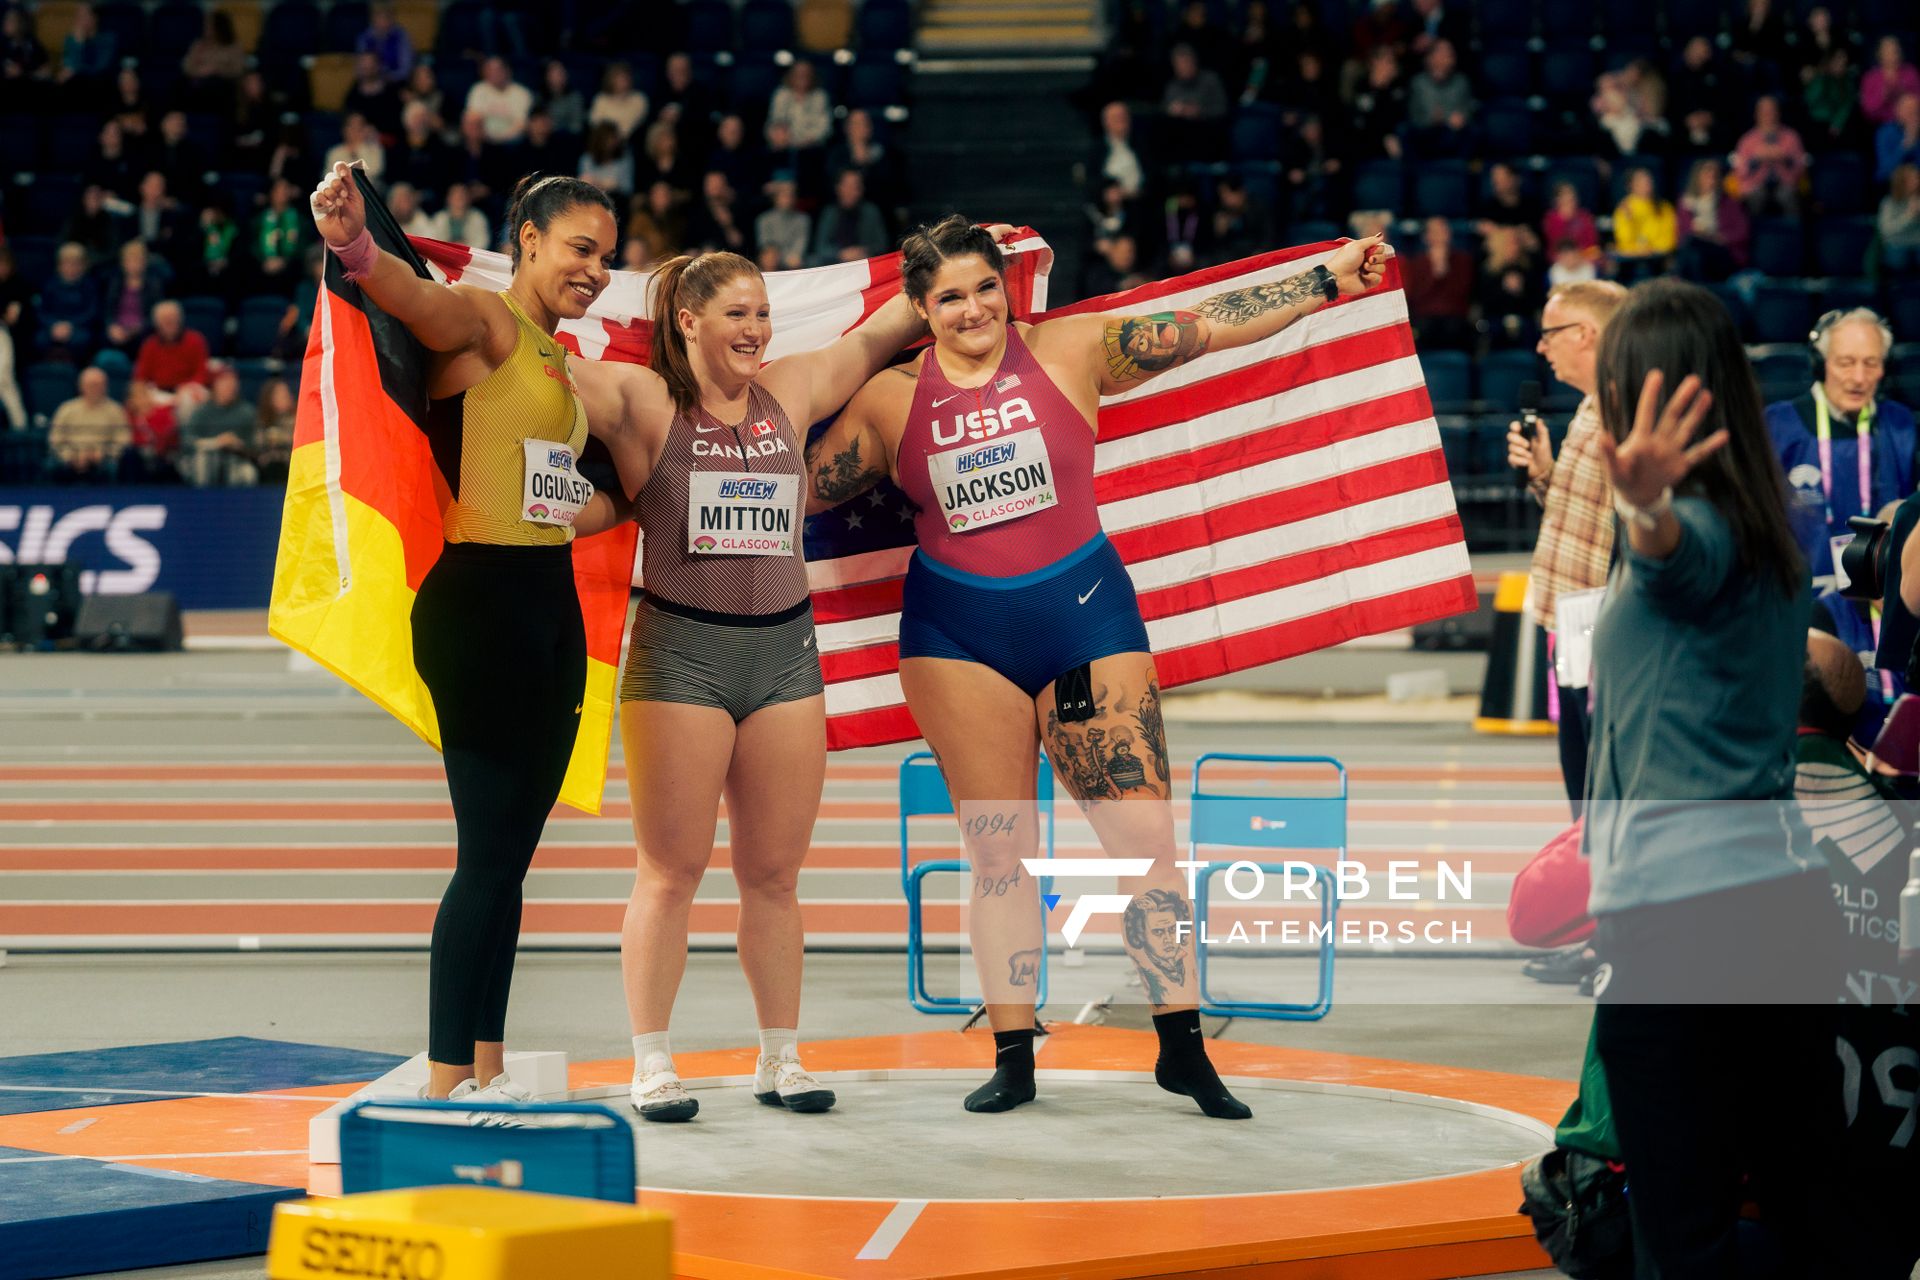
1019,626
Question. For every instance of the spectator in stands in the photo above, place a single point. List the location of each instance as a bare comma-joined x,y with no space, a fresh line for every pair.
298,317
1312,171
458,222
88,55
403,200
1255,57
1194,28
16,306
1195,105
544,149
715,223
1898,222
373,96
850,228
131,106
1434,23
290,159
1379,107
634,254
618,102
659,221
665,160
783,231
253,123
1575,546
273,424
423,87
1571,265
214,63
1381,27
23,62
420,156
359,143
176,154
218,271
607,163
172,355
89,433
1118,156
860,148
1440,106
801,104
156,436
1890,77
1713,229
1439,286
1898,141
1622,114
1698,101
744,162
93,225
1832,103
1645,229
1770,162
138,285
1507,204
1818,436
1309,91
561,101
279,238
690,103
1816,42
501,103
68,308
11,405
113,165
1759,39
1239,225
388,41
1507,295
217,436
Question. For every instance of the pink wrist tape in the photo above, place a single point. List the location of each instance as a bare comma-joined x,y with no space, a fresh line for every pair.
357,256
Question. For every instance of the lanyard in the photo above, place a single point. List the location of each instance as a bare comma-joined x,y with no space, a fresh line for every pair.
1883,675
1823,428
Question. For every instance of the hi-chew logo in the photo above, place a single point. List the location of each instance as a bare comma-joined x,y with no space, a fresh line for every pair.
991,456
560,459
754,490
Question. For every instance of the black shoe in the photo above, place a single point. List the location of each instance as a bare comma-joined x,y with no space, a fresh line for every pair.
1562,968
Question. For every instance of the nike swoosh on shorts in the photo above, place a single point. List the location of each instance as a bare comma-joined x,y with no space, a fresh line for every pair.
1090,590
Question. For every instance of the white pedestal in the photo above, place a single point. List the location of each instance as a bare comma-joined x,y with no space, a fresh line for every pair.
542,1074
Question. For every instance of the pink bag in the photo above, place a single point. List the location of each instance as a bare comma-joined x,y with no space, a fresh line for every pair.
1547,906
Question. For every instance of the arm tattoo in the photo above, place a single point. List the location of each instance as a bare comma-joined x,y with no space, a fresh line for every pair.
1022,966
1243,306
843,476
1154,930
1141,346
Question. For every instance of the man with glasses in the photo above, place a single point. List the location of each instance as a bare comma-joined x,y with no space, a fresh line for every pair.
1845,451
1575,547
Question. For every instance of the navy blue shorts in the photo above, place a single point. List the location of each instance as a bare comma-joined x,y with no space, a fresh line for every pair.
1032,628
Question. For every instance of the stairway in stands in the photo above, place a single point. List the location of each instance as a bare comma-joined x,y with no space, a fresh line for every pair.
996,132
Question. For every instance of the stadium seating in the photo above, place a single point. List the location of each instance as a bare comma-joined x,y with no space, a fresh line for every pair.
1502,372
1449,377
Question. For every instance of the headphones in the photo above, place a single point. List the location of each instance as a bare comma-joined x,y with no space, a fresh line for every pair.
1822,335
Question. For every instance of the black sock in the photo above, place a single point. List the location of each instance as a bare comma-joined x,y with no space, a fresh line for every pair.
1012,1082
1184,1068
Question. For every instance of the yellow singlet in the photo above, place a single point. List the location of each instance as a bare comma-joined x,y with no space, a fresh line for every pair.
477,439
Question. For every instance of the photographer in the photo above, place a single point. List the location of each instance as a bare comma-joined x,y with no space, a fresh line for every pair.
1576,522
1845,452
1712,904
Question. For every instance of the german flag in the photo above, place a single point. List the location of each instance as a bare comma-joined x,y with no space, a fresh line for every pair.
362,523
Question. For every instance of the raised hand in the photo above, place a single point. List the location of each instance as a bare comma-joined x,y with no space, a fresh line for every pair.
1660,450
1359,265
339,210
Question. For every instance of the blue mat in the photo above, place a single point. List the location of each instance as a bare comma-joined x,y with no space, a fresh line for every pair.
65,1217
237,1064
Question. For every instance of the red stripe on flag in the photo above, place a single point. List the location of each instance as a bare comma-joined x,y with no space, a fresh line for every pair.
450,258
866,600
1270,377
1282,440
875,728
1273,510
858,664
1289,571
1209,658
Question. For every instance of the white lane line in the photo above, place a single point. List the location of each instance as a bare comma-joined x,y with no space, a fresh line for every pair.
78,1125
886,1238
165,1155
163,1093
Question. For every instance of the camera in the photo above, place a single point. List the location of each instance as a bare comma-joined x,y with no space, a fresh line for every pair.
1863,562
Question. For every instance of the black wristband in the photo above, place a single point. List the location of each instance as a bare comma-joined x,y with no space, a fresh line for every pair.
1323,280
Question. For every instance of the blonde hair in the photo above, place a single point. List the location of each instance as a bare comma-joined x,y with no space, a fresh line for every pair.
1595,299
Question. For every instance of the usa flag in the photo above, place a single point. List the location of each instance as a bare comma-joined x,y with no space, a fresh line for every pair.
1269,501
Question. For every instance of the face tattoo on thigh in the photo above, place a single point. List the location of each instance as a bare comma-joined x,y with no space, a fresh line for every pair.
1153,931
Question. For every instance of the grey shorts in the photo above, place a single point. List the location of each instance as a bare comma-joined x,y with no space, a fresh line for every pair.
739,669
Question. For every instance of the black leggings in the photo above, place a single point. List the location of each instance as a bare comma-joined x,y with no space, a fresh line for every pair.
497,638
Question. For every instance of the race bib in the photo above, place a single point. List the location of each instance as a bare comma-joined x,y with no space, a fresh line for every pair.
987,484
735,513
554,492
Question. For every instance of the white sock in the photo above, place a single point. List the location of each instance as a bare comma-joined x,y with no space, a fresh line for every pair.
649,1047
779,1042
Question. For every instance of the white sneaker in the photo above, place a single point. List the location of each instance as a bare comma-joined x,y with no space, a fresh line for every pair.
470,1091
783,1082
501,1089
657,1093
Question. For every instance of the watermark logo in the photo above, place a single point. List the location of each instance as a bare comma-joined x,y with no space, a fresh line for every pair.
1088,905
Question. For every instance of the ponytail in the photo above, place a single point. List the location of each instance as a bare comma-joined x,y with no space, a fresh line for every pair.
689,283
